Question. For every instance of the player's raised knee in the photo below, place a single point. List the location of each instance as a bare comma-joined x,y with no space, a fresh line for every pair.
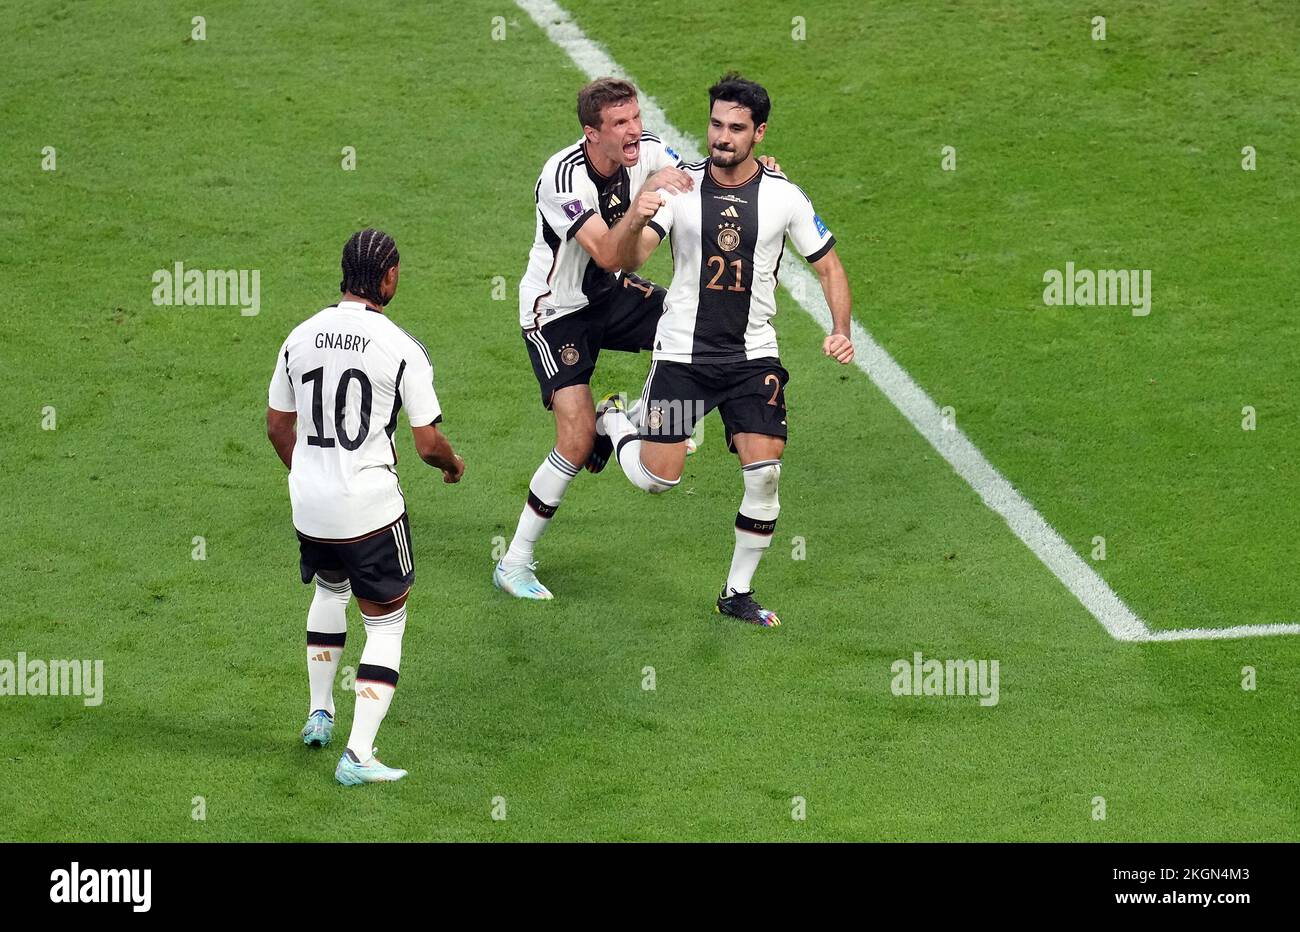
762,481
654,484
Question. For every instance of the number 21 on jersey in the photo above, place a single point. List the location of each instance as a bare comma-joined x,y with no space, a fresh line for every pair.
719,265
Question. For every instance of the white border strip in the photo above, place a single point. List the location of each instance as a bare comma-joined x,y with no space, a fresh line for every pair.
1222,634
903,392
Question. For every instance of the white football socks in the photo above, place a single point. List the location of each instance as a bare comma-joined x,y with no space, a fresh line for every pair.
327,629
627,450
545,492
376,679
755,523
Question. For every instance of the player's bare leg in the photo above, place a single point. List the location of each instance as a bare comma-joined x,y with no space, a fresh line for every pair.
376,682
575,422
575,430
760,462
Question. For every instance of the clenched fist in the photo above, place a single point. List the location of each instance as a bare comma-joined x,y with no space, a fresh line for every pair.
839,346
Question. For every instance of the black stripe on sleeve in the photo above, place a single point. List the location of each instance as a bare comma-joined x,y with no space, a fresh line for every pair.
559,174
577,224
826,247
564,173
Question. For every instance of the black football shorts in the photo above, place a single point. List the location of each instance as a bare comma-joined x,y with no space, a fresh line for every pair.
380,565
750,396
564,351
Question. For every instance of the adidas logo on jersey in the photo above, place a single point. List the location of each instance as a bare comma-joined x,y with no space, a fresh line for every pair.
731,212
614,201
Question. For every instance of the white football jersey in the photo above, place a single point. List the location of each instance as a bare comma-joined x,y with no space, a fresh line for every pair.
561,278
727,242
346,372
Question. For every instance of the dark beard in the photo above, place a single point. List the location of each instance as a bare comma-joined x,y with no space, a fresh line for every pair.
735,158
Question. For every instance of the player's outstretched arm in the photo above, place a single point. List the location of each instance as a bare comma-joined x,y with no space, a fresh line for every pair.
835,285
279,430
435,449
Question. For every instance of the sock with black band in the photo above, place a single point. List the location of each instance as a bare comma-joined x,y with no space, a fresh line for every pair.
327,630
627,450
545,492
755,523
376,679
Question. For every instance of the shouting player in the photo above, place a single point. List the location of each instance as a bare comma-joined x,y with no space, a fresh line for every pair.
715,346
342,375
572,300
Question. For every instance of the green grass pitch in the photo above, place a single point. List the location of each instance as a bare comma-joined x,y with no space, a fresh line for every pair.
226,152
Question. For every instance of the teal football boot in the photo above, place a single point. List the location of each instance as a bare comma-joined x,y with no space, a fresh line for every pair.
351,772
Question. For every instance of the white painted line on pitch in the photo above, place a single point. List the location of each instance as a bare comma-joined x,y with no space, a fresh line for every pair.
903,392
1215,634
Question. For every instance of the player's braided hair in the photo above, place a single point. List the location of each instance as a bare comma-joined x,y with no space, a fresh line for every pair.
368,254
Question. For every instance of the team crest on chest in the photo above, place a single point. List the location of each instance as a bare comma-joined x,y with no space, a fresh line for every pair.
728,236
569,354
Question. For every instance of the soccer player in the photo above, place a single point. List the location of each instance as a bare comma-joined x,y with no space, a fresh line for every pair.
343,374
573,301
715,346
